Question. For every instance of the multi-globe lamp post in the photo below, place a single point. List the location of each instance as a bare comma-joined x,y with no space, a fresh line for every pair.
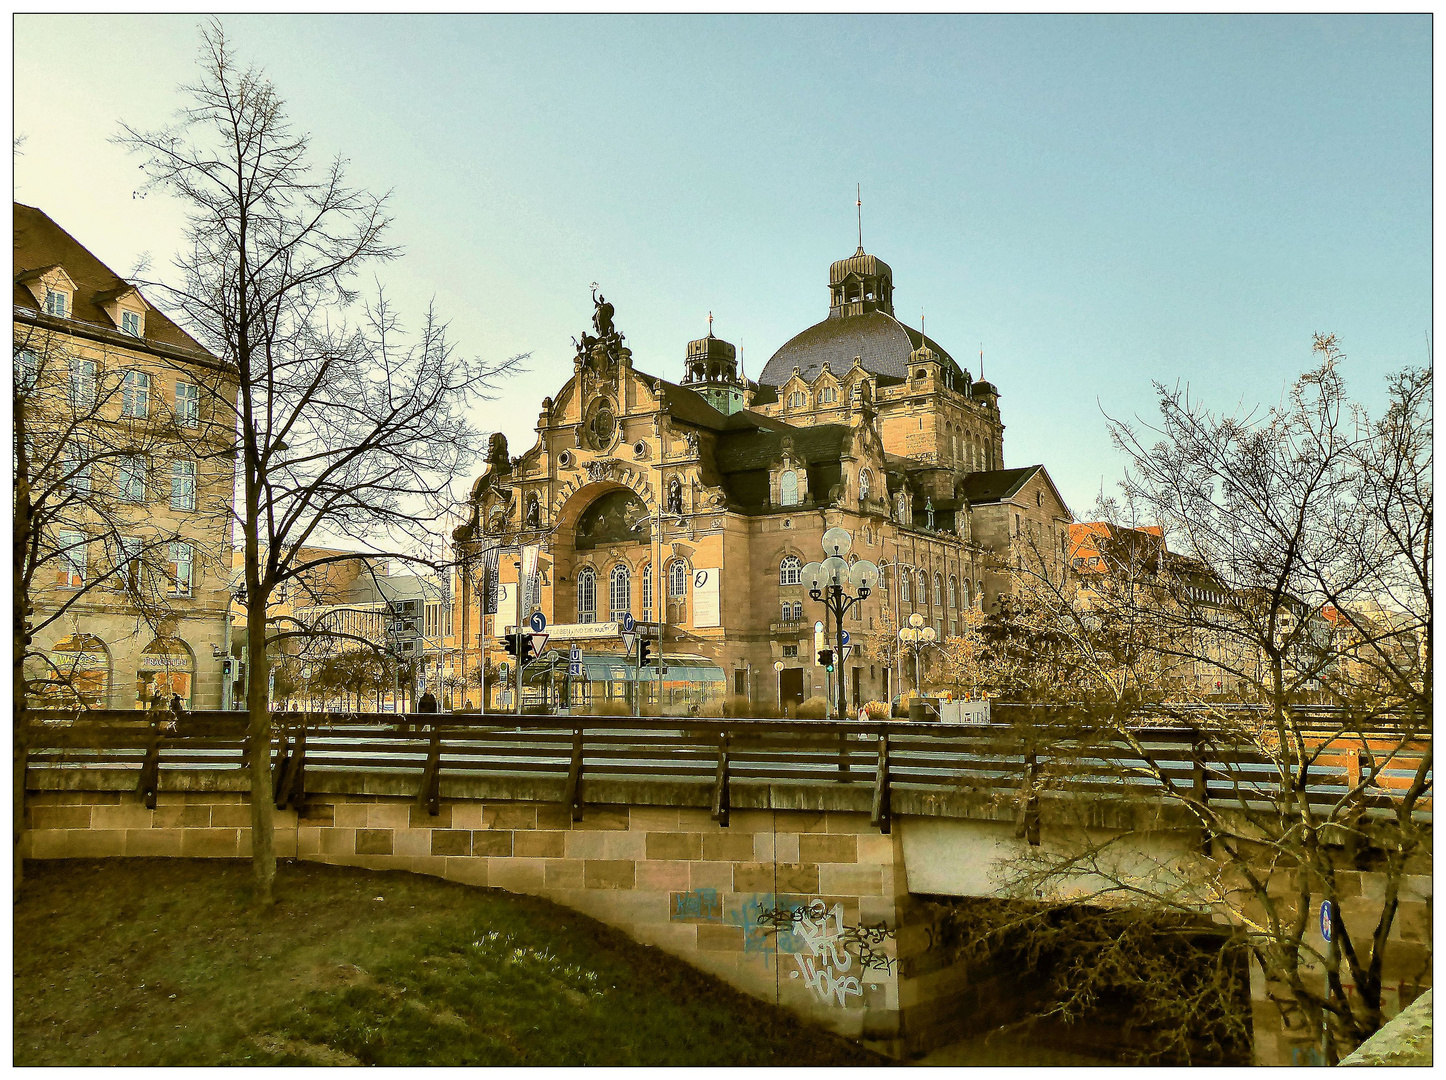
839,585
918,637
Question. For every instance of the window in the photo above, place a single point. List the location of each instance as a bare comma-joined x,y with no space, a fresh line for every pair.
55,302
938,589
131,323
787,615
131,478
188,404
904,576
27,370
71,572
183,485
82,384
923,588
180,570
884,581
677,579
953,593
796,399
77,469
790,570
829,395
136,394
587,596
620,593
788,488
790,651
647,591
864,479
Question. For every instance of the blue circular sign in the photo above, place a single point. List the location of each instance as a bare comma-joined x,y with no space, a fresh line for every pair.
537,622
1326,910
844,638
626,622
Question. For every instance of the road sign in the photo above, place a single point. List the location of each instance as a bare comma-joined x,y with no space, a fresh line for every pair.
1325,919
503,670
538,624
574,661
844,637
844,659
818,627
626,622
539,641
629,640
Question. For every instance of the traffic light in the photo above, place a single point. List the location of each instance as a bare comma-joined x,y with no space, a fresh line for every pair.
825,659
524,648
509,642
644,648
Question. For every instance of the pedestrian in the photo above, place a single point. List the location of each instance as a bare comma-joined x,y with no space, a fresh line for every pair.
158,699
428,703
178,707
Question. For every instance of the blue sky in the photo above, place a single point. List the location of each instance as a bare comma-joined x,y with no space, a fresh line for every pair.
1099,201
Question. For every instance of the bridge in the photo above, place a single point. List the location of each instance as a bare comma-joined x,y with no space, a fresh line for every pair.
794,859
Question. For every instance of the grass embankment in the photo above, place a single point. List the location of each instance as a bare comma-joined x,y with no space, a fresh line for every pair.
163,962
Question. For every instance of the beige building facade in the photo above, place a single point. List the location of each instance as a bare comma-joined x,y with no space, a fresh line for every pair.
698,503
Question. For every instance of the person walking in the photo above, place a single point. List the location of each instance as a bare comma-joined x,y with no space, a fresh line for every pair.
428,702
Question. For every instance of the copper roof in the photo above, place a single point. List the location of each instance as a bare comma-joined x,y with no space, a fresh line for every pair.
859,263
881,341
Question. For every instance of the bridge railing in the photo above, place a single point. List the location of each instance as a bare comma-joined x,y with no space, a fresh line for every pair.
1014,764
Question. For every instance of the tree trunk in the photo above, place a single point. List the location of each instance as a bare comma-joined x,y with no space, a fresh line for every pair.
24,519
263,838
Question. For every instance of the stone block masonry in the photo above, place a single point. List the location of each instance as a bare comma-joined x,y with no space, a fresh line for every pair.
814,933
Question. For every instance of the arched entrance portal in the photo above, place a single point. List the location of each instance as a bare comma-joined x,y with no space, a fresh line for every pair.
166,668
617,517
76,672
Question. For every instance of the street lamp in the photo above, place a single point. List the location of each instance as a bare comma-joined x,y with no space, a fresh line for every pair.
831,580
918,637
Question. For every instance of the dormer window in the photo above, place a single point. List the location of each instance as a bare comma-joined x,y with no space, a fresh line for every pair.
829,395
796,399
131,323
56,302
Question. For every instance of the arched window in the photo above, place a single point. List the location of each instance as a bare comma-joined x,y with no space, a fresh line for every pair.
938,589
864,483
620,593
923,588
790,570
884,581
953,594
829,395
788,488
797,610
78,673
166,667
647,592
795,399
968,594
677,579
904,576
587,595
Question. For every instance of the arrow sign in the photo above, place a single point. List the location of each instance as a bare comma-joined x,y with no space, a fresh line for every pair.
539,642
539,623
844,638
629,640
626,622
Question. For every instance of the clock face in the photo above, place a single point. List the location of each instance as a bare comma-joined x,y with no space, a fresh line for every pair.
602,425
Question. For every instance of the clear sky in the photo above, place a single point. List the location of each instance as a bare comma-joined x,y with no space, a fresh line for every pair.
1099,201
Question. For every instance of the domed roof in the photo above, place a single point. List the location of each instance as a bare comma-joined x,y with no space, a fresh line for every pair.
882,343
859,263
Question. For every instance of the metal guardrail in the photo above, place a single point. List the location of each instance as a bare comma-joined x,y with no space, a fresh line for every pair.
1014,763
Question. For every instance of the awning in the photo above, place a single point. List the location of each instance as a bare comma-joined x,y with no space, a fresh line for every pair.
602,667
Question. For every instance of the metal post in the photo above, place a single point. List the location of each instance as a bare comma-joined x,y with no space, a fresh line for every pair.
840,605
518,632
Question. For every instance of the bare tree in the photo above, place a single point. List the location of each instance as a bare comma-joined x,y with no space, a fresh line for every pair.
342,428
1213,624
86,534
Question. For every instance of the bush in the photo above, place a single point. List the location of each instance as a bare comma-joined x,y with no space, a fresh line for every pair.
815,708
877,710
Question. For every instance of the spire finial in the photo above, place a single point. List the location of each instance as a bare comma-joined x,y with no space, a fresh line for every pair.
859,201
981,361
710,324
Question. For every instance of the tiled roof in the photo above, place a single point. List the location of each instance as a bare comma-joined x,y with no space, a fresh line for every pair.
739,451
40,244
881,342
996,485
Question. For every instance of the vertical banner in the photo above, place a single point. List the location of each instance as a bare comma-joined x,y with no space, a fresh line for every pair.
705,597
528,594
489,580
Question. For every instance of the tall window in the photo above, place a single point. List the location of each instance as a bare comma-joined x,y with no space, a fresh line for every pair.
188,404
55,302
864,479
136,394
647,592
77,469
180,568
131,478
127,562
796,399
953,594
938,590
131,323
884,581
82,384
677,579
923,588
904,576
788,488
829,395
787,611
620,593
797,610
71,572
183,485
790,570
587,595
27,370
